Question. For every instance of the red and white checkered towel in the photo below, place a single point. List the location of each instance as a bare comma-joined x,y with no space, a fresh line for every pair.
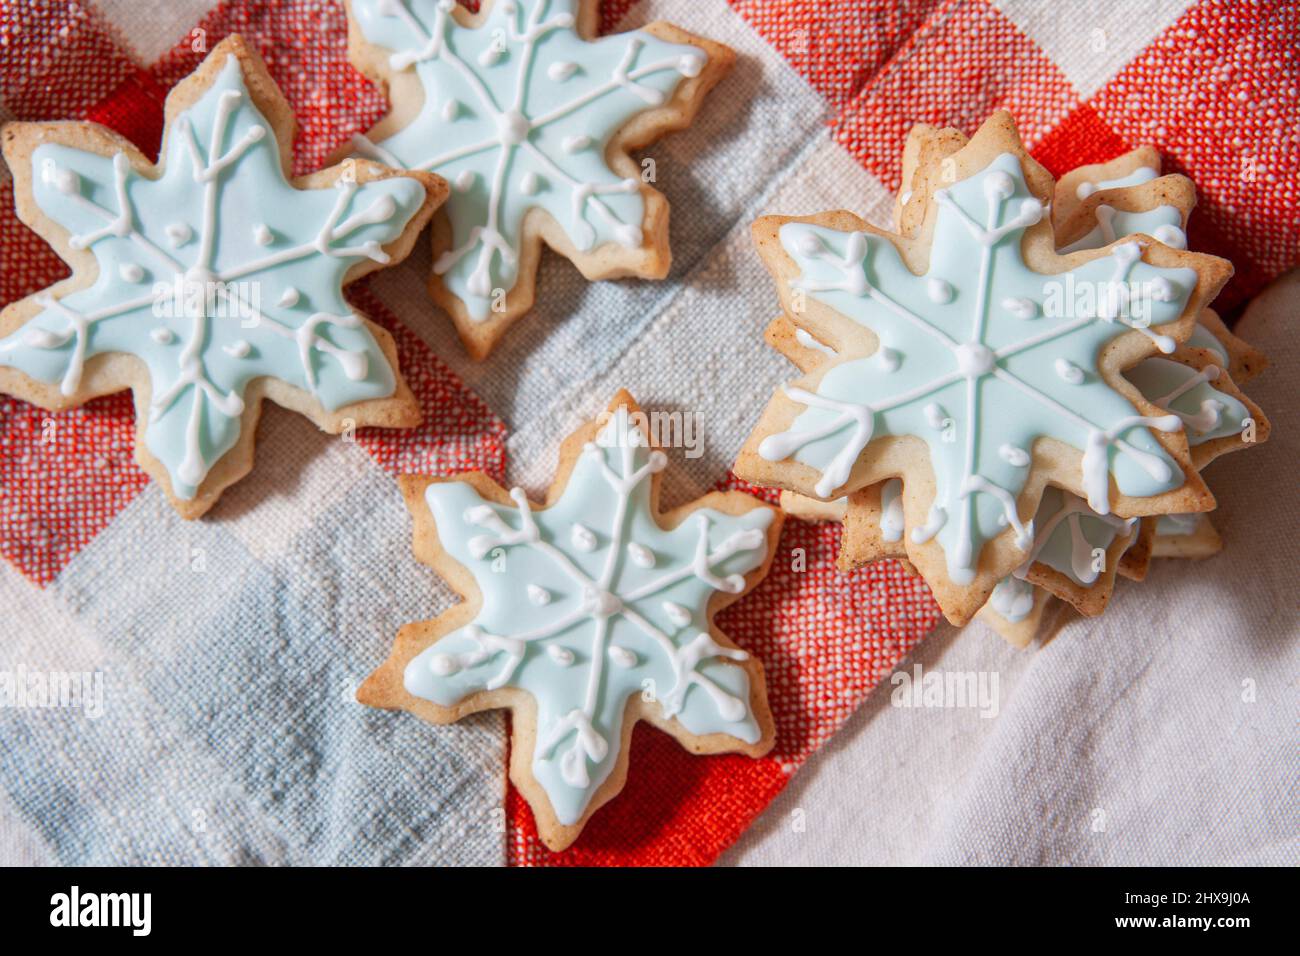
813,117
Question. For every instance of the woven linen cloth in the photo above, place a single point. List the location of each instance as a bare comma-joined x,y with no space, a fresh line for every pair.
230,648
1161,734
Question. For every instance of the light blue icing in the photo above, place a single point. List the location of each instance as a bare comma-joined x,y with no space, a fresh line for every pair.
1070,535
1012,598
201,355
1072,531
1177,526
1158,378
596,604
1207,412
1203,338
1164,223
982,372
516,116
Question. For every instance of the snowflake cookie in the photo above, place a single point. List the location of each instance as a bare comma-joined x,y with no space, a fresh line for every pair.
585,615
977,365
1076,552
209,282
530,117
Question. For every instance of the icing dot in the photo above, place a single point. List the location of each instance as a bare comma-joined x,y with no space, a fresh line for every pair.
810,244
628,236
1021,308
1127,252
1031,210
887,358
1161,289
162,335
561,70
560,655
465,180
999,185
574,144
641,556
1014,455
443,665
490,55
64,180
1084,190
600,603
130,272
355,364
42,339
197,275
539,595
935,415
622,656
1068,371
583,538
677,614
529,183
1171,236
974,359
237,349
512,127
730,708
262,235
808,341
178,233
584,236
289,297
939,290
690,64
450,110
733,583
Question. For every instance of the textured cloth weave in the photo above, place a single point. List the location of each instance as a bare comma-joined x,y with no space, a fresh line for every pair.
230,647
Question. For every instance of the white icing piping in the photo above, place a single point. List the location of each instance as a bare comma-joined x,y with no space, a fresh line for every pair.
600,604
1080,548
513,130
891,510
809,341
122,224
1211,410
973,360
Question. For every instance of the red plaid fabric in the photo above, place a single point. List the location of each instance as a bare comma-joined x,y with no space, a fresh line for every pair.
1215,91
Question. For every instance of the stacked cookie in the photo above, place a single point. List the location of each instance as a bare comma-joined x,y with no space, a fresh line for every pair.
1017,391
